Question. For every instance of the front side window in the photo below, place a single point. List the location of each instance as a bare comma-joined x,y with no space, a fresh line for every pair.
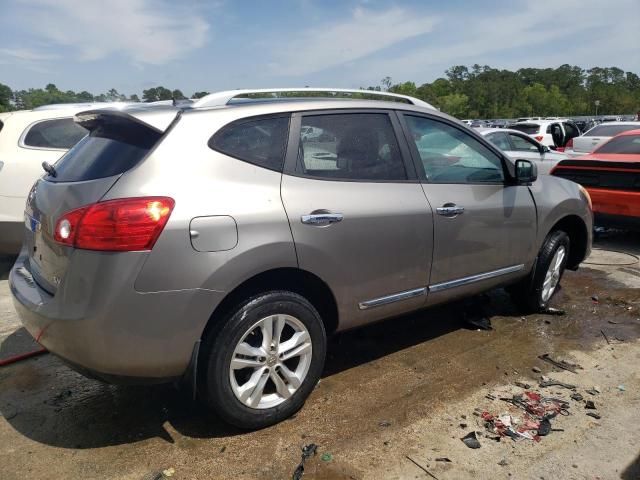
350,146
62,133
260,141
500,140
522,144
450,155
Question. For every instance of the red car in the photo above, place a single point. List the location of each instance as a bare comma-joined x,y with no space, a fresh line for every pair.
611,175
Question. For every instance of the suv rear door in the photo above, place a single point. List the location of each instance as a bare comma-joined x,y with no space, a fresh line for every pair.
358,215
484,228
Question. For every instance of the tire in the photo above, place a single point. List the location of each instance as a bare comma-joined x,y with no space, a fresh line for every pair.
533,294
234,393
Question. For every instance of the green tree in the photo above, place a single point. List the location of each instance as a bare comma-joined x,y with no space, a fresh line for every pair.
6,96
199,94
156,94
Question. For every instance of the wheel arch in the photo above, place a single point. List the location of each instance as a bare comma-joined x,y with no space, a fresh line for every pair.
576,229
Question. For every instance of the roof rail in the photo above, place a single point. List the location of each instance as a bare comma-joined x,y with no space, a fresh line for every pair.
88,105
219,99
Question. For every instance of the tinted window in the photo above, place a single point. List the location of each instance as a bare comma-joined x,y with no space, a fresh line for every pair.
450,155
357,146
59,133
108,150
500,140
528,128
522,144
262,141
627,144
610,130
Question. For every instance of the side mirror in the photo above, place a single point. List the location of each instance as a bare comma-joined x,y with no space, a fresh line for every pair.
526,171
544,149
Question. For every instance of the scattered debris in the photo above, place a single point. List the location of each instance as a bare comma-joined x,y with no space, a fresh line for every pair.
489,396
594,415
463,425
595,299
421,467
605,337
545,427
570,367
443,459
536,370
555,383
503,462
326,457
169,472
481,322
384,424
592,391
621,388
471,440
577,397
590,405
554,311
526,386
307,451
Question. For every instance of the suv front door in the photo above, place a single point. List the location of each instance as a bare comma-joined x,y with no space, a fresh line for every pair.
484,228
359,217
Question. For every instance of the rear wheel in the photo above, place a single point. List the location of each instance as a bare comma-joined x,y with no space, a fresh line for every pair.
264,360
535,294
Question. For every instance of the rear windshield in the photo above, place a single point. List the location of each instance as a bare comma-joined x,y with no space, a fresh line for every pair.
528,128
627,144
610,130
110,149
62,133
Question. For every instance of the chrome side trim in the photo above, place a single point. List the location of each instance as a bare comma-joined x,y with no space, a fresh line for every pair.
474,278
396,297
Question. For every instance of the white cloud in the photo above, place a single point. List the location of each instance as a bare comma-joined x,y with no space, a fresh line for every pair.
145,31
333,44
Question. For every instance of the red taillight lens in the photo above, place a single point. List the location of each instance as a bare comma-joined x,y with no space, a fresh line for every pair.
115,225
539,137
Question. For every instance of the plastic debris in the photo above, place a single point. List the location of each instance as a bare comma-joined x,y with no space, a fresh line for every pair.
621,388
595,299
592,391
471,440
526,386
326,457
384,423
590,405
169,472
443,459
594,415
554,311
555,383
536,370
307,451
503,462
570,367
481,322
577,397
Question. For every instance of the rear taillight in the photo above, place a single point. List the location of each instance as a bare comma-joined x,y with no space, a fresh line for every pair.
115,225
539,137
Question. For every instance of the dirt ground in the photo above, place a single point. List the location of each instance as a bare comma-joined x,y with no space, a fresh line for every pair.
392,394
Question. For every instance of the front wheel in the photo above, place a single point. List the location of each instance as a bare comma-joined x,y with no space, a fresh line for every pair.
264,361
535,294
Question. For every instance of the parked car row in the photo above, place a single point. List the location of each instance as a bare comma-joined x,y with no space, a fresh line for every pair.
221,242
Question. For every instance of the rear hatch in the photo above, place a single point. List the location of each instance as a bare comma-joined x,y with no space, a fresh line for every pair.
116,143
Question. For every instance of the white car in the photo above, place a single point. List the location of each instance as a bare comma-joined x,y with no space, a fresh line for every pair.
552,133
519,145
593,138
28,138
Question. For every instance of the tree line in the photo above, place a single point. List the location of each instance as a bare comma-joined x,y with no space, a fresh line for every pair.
485,92
464,92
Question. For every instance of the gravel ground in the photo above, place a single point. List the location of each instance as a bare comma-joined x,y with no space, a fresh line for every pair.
390,391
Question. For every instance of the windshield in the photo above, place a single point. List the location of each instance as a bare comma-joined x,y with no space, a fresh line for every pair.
627,144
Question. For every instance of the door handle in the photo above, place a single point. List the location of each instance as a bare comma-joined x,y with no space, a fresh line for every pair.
450,210
320,219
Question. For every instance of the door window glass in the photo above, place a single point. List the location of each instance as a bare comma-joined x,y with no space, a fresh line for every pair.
500,140
450,155
522,144
353,146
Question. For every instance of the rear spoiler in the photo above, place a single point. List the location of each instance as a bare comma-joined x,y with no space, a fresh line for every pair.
157,120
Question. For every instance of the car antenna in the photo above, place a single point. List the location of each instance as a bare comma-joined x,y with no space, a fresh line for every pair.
49,169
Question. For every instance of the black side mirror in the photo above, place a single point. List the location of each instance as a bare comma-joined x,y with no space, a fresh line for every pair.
526,172
543,149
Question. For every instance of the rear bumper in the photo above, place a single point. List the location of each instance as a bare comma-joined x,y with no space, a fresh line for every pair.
11,236
100,325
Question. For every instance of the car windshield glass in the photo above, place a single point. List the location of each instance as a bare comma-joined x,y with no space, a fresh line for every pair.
627,144
610,130
528,128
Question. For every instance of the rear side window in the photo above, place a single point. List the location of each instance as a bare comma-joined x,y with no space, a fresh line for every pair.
61,133
626,144
528,128
500,140
350,146
261,141
610,130
110,149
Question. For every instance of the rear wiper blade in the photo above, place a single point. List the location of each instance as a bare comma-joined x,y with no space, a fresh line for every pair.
49,169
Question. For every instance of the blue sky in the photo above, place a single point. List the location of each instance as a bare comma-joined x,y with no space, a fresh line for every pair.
213,45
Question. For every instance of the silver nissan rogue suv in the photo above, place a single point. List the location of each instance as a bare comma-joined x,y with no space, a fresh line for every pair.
216,242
